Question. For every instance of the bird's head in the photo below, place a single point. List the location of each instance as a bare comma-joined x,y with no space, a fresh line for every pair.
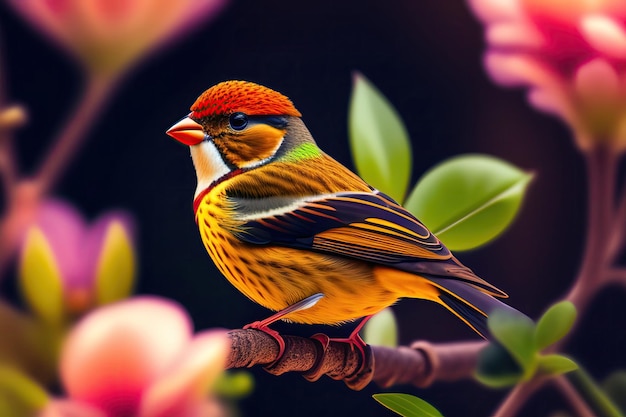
238,125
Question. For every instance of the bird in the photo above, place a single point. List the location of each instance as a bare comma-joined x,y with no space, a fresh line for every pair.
299,233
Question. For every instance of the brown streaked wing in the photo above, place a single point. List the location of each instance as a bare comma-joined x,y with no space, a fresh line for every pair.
358,225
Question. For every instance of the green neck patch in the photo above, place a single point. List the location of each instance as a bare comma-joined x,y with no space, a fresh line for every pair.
301,152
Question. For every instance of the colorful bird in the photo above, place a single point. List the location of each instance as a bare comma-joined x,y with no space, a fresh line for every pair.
299,233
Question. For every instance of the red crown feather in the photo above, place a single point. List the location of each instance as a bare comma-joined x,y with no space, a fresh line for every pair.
242,96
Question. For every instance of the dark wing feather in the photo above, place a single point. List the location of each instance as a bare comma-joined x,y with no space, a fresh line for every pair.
366,226
369,226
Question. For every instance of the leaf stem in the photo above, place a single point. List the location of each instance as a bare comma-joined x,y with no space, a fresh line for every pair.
582,385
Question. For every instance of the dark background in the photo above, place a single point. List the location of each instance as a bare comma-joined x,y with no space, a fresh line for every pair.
425,56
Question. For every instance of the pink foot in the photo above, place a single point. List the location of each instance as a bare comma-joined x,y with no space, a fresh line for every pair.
354,340
262,326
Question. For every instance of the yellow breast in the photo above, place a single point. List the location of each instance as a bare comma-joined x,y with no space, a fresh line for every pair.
277,277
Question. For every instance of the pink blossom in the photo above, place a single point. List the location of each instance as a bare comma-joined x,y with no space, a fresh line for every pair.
139,357
67,266
108,35
571,54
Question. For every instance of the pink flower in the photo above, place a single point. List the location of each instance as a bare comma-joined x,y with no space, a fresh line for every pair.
108,35
571,54
67,266
139,357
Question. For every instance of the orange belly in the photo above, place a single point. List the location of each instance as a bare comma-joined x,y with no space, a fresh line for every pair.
277,277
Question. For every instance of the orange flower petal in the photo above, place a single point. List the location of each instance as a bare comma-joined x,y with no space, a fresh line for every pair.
185,385
117,351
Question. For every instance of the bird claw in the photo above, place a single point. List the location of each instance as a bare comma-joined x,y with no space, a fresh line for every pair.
323,339
355,342
261,326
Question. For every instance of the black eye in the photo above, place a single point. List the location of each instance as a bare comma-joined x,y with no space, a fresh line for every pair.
238,121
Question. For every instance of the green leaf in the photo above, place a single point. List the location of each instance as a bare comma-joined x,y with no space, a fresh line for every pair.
407,405
554,324
378,139
516,333
381,329
115,273
33,345
40,278
496,368
234,385
498,381
468,200
555,364
19,395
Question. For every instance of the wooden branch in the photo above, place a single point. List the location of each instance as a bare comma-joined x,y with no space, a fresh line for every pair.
421,364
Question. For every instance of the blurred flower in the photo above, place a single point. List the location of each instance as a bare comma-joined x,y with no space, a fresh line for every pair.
12,117
140,358
67,267
572,56
108,35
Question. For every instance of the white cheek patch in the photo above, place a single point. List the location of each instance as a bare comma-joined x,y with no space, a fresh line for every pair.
208,163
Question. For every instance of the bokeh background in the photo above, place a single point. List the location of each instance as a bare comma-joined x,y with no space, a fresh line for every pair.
426,58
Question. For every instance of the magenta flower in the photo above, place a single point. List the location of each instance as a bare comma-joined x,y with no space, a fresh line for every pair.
67,266
570,54
139,357
108,35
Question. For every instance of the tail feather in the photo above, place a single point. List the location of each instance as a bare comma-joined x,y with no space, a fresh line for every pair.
469,303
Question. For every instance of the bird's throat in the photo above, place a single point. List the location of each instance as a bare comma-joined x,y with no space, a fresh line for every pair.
209,164
200,195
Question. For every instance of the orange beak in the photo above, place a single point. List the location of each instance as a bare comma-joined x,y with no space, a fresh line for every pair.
187,131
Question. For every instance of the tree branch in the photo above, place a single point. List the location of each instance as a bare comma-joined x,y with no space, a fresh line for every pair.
420,365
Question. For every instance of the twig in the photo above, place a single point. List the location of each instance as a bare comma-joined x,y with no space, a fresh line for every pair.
27,193
601,165
616,275
601,170
516,399
97,92
573,396
618,235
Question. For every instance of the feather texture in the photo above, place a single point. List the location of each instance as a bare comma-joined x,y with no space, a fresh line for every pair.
284,221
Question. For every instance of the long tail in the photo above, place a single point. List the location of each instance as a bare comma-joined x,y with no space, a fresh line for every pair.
469,303
467,296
